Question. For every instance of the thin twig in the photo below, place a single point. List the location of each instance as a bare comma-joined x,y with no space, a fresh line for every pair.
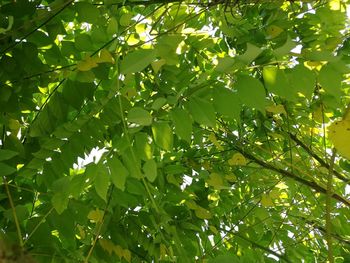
97,236
329,209
19,233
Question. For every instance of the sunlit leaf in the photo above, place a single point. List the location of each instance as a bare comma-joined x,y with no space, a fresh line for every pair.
140,116
202,213
96,215
150,170
237,159
183,123
137,61
87,64
118,172
163,135
339,134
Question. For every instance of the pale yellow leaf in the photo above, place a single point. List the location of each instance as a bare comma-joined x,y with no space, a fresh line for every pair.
118,250
107,245
127,255
213,139
276,109
266,200
162,251
237,159
273,31
202,213
156,65
339,135
104,57
215,180
95,215
231,178
214,230
87,64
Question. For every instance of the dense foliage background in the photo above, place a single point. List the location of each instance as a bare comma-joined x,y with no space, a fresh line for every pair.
174,131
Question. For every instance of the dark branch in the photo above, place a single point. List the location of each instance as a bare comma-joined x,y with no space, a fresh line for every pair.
318,158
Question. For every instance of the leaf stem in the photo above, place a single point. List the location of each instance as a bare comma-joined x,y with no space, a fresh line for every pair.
329,208
97,236
37,226
19,233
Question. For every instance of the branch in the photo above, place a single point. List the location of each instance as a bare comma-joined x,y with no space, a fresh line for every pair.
293,176
318,158
254,244
15,218
329,209
36,28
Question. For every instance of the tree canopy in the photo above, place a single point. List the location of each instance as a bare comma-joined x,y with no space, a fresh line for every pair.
217,131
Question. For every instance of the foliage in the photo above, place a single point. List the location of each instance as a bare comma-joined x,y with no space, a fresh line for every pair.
211,123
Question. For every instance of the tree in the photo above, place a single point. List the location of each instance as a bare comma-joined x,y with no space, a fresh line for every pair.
219,131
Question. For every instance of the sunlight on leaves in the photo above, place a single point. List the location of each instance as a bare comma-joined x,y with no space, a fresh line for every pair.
339,134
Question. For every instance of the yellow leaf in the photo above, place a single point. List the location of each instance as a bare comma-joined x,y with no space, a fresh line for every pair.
81,232
127,255
118,250
202,213
213,139
273,31
87,64
214,230
133,39
237,159
339,135
266,200
215,180
191,204
104,57
276,109
107,245
162,251
320,115
95,215
156,65
231,178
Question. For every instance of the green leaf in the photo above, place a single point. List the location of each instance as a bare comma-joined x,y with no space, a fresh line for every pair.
6,169
101,182
87,12
61,189
125,19
226,258
252,53
225,64
202,111
7,154
140,116
118,172
137,61
163,135
302,80
330,79
285,48
226,103
251,92
276,81
144,149
150,170
183,123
